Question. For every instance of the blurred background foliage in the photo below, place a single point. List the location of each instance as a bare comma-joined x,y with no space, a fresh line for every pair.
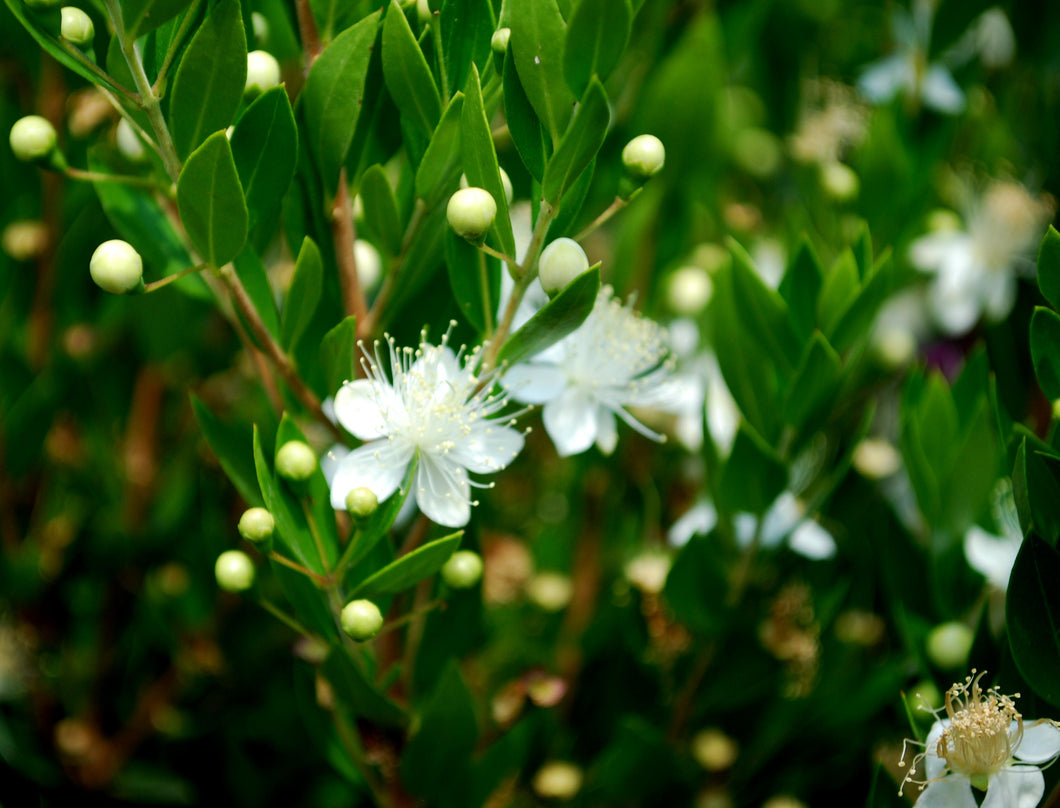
125,674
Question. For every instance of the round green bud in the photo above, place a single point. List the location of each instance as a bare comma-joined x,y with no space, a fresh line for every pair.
263,72
256,524
463,569
499,40
32,138
361,502
234,571
471,212
361,619
116,267
561,262
644,156
948,645
76,27
506,184
839,181
689,289
296,461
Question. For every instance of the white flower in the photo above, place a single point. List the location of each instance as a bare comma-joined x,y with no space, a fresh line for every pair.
615,359
431,409
976,270
983,743
990,555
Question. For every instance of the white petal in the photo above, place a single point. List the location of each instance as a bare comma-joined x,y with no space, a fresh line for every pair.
930,252
999,294
811,540
606,431
362,408
329,462
1015,787
953,792
1040,744
745,524
570,421
535,383
954,300
882,80
941,92
933,764
380,465
443,492
488,448
698,520
991,556
781,518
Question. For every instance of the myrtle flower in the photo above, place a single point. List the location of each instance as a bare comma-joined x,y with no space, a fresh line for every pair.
615,359
983,743
975,270
432,409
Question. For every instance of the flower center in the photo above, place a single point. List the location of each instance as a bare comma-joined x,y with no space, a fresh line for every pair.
981,737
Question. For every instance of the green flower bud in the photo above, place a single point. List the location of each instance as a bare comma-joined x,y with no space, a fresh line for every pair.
558,780
361,502
234,571
76,26
462,570
116,267
296,461
688,290
644,156
256,525
561,262
506,184
33,138
361,619
839,181
499,40
948,645
263,72
471,212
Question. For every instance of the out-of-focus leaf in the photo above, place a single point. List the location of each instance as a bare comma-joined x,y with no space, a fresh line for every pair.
763,311
579,144
597,33
799,288
815,383
1032,610
1049,267
752,478
696,586
232,445
304,293
211,201
356,690
411,568
1045,350
265,150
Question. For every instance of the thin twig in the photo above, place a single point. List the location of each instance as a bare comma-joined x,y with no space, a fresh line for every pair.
176,276
96,176
279,559
375,315
353,299
285,618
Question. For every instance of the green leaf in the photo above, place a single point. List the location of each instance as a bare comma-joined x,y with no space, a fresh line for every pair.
265,150
438,756
597,33
474,278
1045,350
857,319
231,445
381,210
479,157
840,289
411,568
338,352
815,383
441,162
356,692
696,586
333,95
255,280
210,80
523,123
1049,267
763,311
537,43
752,477
562,315
409,78
467,26
141,16
579,144
315,494
211,201
1032,611
1036,485
570,206
304,294
800,286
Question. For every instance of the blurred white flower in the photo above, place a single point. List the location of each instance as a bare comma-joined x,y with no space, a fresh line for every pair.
975,270
993,556
983,743
615,359
432,410
831,123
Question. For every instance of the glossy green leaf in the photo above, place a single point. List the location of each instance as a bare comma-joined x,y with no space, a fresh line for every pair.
381,210
597,33
441,162
438,756
562,315
210,80
334,93
232,446
752,478
579,144
411,568
538,40
815,383
1032,610
523,123
338,352
303,295
474,278
265,150
1045,350
467,26
800,286
408,77
211,202
1049,267
479,157
141,16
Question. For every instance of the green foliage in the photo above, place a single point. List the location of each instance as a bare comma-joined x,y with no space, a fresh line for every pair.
1033,608
211,201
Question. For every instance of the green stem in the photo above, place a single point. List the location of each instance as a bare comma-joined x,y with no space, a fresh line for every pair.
294,565
351,741
316,537
285,618
176,276
486,248
339,572
612,209
93,68
487,301
95,176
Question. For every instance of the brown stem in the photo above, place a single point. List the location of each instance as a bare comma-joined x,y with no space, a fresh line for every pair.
353,299
294,565
307,27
